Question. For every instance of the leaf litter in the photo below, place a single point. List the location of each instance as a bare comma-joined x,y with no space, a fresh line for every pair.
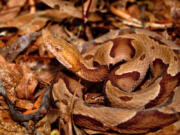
28,69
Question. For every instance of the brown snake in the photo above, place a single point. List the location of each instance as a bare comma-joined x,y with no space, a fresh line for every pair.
132,107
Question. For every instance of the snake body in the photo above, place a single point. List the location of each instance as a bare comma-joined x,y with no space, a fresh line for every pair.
132,107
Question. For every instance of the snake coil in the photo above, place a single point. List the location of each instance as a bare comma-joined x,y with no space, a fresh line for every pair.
134,105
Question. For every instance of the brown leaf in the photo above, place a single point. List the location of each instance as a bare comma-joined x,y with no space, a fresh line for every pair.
8,126
46,75
65,6
25,104
10,52
68,8
51,3
17,78
18,21
10,75
34,25
42,50
175,13
11,10
11,39
53,14
134,11
8,14
93,6
59,90
42,67
2,44
44,126
27,84
16,3
39,19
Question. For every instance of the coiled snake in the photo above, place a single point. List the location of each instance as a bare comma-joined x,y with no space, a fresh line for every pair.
133,104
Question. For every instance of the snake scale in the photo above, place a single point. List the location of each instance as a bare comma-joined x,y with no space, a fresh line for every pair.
133,104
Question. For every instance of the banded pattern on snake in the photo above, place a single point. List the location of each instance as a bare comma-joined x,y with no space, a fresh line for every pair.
134,105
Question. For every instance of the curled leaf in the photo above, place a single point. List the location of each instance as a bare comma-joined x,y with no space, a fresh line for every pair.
27,84
10,52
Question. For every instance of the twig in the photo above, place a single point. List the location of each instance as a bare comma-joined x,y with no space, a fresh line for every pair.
88,8
158,25
85,13
32,6
71,110
123,14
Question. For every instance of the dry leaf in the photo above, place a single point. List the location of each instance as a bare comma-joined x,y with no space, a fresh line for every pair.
34,25
27,84
10,75
66,7
8,14
175,13
10,52
11,10
8,126
16,3
18,21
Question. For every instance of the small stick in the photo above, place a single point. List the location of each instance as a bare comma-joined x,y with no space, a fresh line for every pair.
123,14
85,13
32,6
